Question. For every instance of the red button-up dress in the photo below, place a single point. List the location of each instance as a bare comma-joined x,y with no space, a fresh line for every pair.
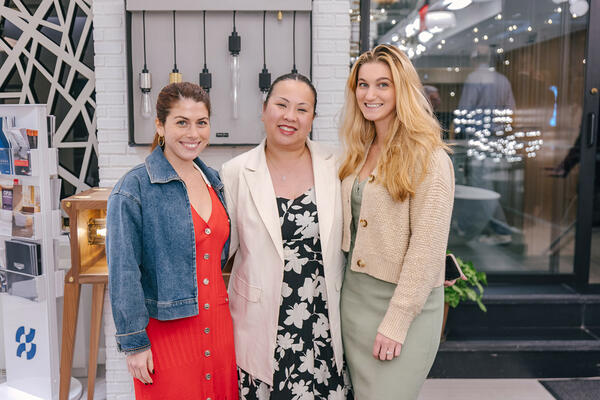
194,357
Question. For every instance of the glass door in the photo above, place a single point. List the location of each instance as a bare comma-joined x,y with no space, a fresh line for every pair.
587,258
506,79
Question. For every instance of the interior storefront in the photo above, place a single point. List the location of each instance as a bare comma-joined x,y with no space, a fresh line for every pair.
506,80
515,85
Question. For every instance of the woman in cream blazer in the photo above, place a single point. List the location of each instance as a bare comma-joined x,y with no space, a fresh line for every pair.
252,181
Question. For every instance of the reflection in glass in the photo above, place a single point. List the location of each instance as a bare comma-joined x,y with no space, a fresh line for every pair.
505,79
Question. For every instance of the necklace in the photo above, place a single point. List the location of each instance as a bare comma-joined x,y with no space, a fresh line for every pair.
279,170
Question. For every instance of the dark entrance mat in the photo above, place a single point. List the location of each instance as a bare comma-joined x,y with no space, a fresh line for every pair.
573,389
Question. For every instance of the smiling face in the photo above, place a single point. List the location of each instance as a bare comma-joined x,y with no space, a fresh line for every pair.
375,92
288,114
186,131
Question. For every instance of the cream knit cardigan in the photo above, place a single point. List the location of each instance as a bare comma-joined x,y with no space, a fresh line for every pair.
403,242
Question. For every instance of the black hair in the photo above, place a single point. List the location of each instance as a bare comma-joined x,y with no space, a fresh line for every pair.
294,77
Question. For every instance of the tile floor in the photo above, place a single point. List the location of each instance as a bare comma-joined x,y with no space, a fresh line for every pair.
434,389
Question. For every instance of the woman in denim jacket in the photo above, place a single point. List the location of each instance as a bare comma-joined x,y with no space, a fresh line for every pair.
167,239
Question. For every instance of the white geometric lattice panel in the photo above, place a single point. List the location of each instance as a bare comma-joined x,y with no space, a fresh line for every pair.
47,56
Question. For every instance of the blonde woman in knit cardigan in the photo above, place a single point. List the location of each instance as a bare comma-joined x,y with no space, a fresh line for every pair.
397,193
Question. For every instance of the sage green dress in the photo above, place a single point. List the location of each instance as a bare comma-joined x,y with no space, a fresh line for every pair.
364,302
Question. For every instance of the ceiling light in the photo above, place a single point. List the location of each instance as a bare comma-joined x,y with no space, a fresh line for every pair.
393,22
439,46
475,30
476,40
511,39
425,36
485,37
437,21
506,62
395,38
579,8
529,29
443,41
498,17
457,4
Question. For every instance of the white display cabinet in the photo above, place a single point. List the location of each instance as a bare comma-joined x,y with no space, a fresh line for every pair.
29,313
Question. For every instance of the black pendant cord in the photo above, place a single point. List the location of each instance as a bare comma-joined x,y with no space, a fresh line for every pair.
264,77
234,21
144,30
264,42
174,46
204,35
294,70
205,77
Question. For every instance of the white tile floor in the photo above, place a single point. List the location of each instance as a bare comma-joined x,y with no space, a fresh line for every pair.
447,389
488,389
434,389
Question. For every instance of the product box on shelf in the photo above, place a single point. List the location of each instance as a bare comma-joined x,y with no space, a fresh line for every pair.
26,204
18,148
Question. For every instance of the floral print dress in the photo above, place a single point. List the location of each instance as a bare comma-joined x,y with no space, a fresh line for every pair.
304,361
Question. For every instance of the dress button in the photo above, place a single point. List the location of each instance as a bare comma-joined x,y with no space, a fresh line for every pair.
206,330
363,223
206,306
205,281
208,377
206,256
371,178
207,231
360,263
207,353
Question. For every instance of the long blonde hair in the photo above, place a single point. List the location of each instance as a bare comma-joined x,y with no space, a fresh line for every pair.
415,132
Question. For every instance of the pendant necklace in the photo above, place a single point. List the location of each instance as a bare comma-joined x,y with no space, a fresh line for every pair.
284,177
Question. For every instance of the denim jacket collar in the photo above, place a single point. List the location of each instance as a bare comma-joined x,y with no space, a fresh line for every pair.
160,169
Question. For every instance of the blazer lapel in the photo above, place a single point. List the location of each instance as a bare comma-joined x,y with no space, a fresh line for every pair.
261,189
324,171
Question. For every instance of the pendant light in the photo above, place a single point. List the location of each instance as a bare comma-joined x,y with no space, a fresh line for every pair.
145,80
294,70
205,76
264,77
175,75
235,46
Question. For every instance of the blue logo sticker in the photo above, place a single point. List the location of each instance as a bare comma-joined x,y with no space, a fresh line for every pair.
28,340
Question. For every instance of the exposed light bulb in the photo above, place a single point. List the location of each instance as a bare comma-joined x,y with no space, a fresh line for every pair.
146,100
235,46
146,105
235,84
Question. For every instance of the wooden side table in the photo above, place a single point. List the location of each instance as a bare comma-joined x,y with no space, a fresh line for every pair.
87,221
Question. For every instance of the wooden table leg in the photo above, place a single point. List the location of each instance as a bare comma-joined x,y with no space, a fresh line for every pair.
95,326
70,311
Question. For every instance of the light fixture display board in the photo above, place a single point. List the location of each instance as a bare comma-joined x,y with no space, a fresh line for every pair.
225,129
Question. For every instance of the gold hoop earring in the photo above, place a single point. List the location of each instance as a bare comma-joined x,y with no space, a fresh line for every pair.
161,141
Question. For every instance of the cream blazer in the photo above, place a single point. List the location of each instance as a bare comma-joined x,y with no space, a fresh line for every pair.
257,272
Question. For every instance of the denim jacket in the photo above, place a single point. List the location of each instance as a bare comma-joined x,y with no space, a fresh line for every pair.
151,249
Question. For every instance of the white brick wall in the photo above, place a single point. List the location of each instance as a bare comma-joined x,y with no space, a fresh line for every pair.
331,41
